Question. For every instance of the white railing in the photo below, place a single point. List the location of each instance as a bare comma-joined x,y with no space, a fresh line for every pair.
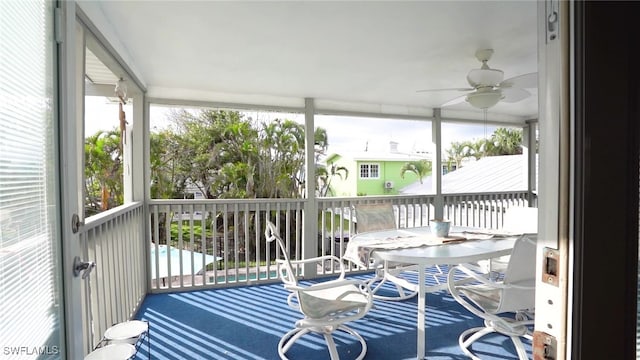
215,243
212,243
112,293
482,210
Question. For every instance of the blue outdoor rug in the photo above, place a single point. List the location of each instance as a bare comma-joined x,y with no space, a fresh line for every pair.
247,323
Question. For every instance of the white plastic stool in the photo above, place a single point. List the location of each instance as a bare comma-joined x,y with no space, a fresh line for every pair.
126,332
119,351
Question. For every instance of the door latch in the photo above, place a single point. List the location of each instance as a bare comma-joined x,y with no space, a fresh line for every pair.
82,267
551,261
545,346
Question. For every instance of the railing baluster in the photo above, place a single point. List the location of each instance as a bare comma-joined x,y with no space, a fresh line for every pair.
191,243
236,264
203,241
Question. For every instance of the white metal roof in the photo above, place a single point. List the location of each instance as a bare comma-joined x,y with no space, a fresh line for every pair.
489,174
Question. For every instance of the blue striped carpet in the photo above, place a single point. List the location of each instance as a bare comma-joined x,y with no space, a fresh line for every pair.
247,323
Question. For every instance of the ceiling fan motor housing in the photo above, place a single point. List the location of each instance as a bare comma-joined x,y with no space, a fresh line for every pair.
485,77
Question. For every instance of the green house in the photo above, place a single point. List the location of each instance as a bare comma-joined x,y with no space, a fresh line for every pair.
373,172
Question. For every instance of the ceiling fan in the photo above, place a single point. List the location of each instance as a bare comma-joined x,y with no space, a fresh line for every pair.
488,87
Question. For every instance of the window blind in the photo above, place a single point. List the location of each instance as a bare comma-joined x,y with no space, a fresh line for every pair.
29,249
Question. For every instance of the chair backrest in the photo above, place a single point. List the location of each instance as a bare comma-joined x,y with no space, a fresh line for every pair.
521,270
287,275
521,220
374,217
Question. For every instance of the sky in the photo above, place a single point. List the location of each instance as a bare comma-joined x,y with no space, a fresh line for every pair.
374,134
100,114
345,133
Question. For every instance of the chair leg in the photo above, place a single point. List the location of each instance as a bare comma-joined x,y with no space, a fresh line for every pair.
363,343
522,353
400,284
470,336
289,339
331,345
292,336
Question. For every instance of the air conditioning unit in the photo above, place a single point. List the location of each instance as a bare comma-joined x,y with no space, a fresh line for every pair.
388,184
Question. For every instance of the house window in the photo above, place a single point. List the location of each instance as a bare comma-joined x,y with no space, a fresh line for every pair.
369,171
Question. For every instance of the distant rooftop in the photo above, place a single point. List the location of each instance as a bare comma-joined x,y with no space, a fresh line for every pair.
489,174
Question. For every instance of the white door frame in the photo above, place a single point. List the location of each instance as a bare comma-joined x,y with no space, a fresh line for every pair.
555,212
71,131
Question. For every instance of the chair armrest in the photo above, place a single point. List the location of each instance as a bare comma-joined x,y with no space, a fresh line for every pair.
329,284
321,259
468,271
487,281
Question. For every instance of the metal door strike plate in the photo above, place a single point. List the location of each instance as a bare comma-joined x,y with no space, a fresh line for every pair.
545,346
550,266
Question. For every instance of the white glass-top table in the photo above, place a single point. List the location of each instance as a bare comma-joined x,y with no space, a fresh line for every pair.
417,246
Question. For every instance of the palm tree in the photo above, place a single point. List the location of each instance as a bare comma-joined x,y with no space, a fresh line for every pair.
103,171
506,142
325,174
421,168
458,151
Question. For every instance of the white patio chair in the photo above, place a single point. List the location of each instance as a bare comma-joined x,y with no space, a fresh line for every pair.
520,220
326,306
494,301
377,217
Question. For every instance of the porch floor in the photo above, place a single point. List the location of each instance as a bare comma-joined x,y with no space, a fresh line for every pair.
247,323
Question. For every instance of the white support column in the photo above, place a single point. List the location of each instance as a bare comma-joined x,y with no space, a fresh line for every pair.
309,220
136,136
436,139
529,152
127,156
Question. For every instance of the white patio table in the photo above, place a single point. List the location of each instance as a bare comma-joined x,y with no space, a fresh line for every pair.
418,246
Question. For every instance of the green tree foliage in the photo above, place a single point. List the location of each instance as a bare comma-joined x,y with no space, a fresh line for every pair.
503,141
227,155
326,173
458,151
166,180
103,172
421,168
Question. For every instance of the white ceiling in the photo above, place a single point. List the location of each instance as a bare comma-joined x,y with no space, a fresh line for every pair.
375,53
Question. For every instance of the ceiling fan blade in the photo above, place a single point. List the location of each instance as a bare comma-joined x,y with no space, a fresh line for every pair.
449,89
526,81
515,94
455,101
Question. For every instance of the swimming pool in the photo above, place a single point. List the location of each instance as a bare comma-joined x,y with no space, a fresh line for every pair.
171,256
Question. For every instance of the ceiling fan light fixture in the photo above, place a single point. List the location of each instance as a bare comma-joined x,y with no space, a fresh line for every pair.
485,77
484,100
